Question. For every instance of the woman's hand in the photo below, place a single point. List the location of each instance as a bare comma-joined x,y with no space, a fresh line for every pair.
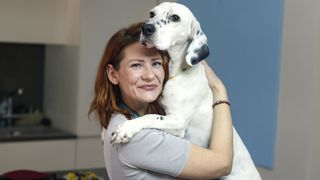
218,89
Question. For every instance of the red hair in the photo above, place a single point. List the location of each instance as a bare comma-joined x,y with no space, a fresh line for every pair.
107,95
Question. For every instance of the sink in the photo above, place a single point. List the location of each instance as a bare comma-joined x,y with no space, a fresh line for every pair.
34,132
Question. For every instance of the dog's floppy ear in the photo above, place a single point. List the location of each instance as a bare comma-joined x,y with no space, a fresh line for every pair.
198,49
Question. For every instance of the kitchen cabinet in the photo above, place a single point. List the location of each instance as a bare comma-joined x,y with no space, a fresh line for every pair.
52,155
38,21
37,155
89,153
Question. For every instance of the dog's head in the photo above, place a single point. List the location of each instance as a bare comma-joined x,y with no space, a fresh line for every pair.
172,24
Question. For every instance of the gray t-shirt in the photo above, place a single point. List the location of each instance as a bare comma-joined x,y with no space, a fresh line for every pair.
151,154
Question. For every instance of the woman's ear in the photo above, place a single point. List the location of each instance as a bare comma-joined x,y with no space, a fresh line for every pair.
112,75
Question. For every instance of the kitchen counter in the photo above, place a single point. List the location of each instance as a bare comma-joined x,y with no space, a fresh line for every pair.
33,133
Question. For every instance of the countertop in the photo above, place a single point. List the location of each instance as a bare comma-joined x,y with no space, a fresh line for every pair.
33,133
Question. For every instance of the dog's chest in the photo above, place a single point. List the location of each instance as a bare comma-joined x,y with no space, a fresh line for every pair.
189,96
189,86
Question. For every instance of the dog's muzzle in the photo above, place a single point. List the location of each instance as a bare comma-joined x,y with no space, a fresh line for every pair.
148,29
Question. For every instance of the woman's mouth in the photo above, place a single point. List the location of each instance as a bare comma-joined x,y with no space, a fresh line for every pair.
150,87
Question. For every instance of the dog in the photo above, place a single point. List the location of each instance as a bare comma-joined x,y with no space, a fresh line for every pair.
187,97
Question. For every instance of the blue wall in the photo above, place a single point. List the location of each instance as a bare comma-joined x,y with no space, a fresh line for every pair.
245,41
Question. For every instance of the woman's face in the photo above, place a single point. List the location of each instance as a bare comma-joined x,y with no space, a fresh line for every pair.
140,76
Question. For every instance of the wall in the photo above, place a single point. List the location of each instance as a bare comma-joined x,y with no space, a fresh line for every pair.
298,145
60,85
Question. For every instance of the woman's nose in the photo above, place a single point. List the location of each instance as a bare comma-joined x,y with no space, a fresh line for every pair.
148,73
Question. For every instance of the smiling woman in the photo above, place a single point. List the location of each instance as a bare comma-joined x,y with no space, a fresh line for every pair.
140,76
108,87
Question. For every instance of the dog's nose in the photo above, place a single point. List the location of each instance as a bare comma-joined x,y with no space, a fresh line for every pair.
148,29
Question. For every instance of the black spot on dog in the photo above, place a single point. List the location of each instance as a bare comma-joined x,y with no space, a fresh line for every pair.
158,24
202,53
160,117
194,60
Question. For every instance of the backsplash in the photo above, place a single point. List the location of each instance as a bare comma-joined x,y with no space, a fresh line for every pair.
22,66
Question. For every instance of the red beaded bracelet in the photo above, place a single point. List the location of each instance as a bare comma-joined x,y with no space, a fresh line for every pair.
220,102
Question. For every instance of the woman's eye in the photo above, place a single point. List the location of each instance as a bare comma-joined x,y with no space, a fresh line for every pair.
157,64
136,65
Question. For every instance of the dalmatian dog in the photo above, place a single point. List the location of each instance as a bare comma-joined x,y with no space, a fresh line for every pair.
187,95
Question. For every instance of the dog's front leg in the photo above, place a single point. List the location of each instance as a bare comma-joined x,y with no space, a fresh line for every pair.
169,123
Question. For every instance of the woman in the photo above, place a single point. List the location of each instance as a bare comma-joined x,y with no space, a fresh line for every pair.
128,85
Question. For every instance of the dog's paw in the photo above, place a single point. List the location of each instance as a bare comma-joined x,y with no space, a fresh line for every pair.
125,132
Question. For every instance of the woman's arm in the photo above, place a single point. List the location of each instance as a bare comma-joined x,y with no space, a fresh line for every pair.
217,160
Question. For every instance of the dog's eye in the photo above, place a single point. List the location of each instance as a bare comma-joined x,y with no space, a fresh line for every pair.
151,15
175,18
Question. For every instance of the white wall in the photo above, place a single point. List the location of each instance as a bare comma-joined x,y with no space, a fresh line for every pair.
61,85
298,135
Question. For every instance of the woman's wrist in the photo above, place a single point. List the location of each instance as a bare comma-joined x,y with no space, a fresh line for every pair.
218,102
220,94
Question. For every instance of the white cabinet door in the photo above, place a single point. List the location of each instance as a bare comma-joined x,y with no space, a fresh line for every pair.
37,155
89,153
38,21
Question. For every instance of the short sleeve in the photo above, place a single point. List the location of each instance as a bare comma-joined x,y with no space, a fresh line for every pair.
156,151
